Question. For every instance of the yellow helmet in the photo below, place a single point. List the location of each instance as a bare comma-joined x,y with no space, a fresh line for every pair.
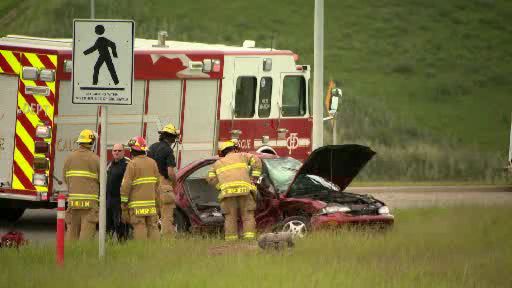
86,137
227,144
169,128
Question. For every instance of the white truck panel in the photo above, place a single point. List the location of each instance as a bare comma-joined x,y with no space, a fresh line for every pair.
8,108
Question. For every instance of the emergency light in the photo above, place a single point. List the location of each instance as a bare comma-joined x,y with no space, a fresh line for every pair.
40,179
43,131
41,163
47,75
29,73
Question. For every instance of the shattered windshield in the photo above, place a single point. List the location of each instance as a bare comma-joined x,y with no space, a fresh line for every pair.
282,171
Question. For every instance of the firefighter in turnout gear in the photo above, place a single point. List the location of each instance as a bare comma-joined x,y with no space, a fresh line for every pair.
138,192
162,153
234,176
81,171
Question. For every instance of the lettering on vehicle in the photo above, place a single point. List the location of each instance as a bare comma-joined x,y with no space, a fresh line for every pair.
33,108
245,143
292,142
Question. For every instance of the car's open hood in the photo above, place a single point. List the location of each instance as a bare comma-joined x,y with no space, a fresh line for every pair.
338,164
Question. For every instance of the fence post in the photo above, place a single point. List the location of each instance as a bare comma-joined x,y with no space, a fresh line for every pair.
61,206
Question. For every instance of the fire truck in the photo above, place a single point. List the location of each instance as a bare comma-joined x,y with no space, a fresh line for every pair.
211,92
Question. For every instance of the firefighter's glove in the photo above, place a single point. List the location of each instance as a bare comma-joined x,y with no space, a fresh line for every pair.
125,216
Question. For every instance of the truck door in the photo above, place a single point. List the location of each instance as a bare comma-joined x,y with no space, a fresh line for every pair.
8,97
199,121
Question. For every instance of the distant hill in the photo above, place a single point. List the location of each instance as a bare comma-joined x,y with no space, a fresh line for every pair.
426,83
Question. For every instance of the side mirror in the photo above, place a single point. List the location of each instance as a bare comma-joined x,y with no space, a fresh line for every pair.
336,94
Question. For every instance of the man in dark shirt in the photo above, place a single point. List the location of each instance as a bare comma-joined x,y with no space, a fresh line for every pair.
115,173
162,153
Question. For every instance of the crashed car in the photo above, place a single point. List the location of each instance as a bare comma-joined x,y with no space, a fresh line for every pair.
292,196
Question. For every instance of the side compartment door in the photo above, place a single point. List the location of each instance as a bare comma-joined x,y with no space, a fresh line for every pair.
8,97
199,121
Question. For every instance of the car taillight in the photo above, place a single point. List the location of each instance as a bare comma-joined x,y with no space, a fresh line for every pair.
41,147
41,163
40,179
43,131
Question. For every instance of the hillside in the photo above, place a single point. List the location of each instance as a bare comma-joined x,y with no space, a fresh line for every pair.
425,82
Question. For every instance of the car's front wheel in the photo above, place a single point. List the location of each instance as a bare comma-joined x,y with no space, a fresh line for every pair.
298,226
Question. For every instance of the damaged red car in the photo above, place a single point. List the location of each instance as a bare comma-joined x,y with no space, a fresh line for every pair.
292,196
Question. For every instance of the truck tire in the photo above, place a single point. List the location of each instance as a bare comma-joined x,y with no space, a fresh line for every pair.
11,214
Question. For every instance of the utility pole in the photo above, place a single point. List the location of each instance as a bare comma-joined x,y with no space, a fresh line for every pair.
318,112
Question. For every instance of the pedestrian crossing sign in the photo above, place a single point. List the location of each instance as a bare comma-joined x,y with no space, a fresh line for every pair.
103,61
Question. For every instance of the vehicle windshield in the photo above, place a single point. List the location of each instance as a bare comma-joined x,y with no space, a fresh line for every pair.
282,171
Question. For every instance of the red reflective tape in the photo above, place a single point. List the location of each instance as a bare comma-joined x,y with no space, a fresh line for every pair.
22,118
24,150
4,65
46,61
27,183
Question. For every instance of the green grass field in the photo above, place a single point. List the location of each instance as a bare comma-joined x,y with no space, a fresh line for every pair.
467,246
425,82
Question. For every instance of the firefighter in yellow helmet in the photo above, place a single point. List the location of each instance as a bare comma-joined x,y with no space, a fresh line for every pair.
81,170
162,153
234,174
138,192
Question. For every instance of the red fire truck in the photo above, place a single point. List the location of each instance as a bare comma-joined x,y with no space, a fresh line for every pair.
211,92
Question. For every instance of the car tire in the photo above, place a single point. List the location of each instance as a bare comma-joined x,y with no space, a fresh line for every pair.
181,222
12,214
297,225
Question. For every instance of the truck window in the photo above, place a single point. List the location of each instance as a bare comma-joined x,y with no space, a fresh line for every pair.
265,97
294,96
245,96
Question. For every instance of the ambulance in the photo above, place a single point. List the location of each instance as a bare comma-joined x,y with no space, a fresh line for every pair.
213,93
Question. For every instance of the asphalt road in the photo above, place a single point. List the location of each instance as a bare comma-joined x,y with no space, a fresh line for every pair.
39,225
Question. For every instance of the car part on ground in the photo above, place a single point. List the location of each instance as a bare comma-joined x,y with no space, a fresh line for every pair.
13,239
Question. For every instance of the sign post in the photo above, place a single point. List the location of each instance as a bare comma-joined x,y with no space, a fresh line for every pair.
103,75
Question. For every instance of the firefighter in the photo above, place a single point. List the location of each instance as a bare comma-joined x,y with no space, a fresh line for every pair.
162,153
81,170
234,175
138,192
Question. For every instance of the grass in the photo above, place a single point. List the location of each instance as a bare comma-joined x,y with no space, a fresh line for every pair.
430,247
425,82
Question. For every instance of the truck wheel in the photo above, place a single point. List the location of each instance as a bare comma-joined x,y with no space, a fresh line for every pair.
181,222
12,214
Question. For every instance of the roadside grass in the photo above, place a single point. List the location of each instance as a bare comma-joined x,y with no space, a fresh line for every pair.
464,246
425,82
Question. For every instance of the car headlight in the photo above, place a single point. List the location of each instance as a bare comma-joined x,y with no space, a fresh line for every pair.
384,210
333,209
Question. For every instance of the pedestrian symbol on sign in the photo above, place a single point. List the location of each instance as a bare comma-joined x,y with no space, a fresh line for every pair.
102,44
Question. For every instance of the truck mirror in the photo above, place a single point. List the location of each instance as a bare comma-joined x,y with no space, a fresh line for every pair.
336,94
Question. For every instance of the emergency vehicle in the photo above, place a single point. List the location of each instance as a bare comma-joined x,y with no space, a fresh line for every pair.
211,92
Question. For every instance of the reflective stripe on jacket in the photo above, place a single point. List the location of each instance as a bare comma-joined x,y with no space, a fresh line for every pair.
139,185
81,170
231,174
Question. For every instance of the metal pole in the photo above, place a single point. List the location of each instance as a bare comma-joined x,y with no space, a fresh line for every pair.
334,135
510,148
103,179
92,9
318,112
